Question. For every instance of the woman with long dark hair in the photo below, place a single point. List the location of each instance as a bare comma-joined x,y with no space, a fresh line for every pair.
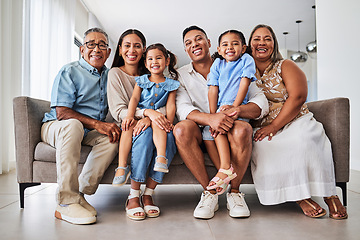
128,64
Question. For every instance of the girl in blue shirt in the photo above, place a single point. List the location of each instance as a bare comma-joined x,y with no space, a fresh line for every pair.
230,76
151,91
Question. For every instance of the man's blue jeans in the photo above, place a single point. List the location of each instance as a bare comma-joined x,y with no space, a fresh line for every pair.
143,156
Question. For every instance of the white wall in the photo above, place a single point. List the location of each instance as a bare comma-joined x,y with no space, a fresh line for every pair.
310,69
81,19
338,60
81,25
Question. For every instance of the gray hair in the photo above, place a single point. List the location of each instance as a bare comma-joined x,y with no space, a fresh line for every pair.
98,30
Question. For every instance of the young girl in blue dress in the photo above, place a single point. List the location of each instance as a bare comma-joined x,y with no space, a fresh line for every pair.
230,76
151,91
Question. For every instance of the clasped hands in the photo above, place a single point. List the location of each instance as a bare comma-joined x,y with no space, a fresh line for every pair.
140,125
222,121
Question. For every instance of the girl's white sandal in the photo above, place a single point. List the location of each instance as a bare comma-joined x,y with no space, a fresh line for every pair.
131,212
148,208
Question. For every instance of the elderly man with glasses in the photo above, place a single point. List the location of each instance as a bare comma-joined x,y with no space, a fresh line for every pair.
78,110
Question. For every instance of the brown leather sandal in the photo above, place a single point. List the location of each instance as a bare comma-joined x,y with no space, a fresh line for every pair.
319,214
335,207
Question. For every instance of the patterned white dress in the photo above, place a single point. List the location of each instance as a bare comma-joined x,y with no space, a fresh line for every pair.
297,163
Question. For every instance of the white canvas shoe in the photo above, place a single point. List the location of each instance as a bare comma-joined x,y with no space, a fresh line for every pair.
75,214
207,206
236,205
87,205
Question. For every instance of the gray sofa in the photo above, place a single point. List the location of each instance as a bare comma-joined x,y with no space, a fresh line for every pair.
35,160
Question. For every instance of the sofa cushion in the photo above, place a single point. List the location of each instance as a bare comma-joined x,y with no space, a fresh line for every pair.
46,153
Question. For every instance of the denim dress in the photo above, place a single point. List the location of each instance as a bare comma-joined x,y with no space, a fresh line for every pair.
155,95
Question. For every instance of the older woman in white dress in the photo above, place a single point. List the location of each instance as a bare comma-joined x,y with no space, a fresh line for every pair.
292,158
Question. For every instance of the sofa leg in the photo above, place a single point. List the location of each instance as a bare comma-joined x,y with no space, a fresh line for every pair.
22,187
343,187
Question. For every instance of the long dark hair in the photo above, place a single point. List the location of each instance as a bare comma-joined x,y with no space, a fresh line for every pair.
119,60
167,54
242,40
276,55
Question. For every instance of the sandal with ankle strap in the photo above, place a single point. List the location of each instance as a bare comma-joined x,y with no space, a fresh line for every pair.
149,208
333,204
122,179
222,183
322,213
161,167
130,213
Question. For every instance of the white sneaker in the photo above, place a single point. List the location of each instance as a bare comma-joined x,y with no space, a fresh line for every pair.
87,205
236,205
75,214
207,206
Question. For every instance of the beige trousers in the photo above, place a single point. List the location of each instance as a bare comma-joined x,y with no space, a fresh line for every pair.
67,136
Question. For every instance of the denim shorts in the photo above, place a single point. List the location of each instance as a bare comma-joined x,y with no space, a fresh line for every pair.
206,135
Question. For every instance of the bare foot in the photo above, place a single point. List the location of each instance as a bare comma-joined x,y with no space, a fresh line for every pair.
147,200
336,209
311,208
134,203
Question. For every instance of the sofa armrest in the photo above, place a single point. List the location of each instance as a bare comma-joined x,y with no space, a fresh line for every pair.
334,114
28,113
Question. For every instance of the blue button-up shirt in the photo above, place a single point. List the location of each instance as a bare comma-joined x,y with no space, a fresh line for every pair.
81,87
227,75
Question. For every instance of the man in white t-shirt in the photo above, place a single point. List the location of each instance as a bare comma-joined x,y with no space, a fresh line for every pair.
192,109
